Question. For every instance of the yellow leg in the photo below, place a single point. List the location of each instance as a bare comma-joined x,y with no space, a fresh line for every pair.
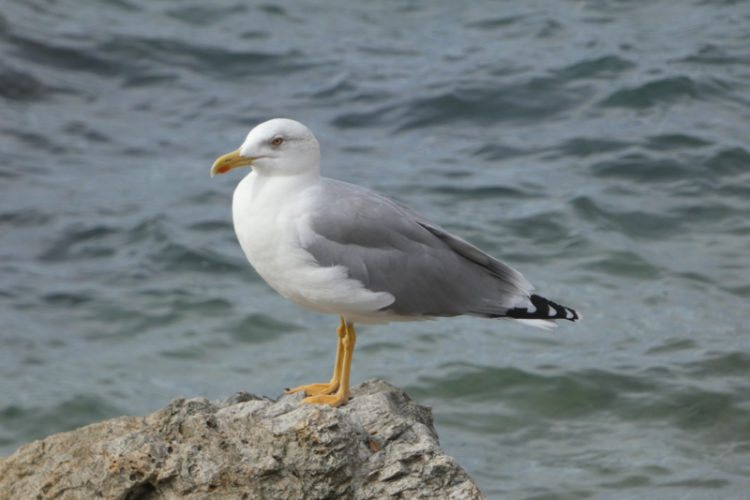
342,395
333,385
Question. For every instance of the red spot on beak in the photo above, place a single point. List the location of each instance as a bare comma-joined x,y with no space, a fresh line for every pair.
223,170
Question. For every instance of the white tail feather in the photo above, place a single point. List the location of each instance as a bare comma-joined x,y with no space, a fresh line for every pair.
544,324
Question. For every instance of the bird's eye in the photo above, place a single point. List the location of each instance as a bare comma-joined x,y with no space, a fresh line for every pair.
277,141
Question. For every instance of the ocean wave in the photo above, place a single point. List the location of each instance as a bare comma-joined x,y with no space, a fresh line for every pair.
635,223
534,99
21,86
25,422
664,91
228,62
257,328
148,244
606,67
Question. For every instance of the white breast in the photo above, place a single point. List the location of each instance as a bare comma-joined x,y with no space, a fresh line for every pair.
272,224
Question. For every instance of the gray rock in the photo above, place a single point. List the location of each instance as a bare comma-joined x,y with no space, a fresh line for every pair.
380,445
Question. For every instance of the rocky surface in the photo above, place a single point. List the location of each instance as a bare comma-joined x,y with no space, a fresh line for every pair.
379,445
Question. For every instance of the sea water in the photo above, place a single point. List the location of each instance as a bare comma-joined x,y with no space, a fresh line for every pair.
600,148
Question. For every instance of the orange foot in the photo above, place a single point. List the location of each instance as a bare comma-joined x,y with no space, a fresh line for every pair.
316,389
334,400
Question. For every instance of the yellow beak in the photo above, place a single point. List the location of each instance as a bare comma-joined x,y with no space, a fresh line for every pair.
230,161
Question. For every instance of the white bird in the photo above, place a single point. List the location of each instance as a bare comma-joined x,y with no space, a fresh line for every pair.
337,248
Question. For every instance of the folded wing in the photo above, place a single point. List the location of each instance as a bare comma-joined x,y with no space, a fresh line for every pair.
391,248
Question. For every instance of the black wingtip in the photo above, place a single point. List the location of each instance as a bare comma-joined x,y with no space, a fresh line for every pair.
545,309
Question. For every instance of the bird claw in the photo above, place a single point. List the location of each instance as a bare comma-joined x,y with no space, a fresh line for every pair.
334,400
315,389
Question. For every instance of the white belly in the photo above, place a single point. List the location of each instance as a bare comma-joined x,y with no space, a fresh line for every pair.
272,224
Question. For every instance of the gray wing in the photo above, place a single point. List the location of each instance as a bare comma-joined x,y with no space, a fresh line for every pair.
391,248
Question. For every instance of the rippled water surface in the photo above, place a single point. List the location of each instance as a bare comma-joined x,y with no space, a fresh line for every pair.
601,148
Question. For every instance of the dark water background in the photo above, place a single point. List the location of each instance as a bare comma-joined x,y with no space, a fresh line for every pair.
601,148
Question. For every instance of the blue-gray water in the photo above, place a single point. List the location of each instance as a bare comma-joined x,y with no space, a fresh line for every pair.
601,148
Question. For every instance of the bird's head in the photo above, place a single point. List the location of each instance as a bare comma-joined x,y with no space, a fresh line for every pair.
278,147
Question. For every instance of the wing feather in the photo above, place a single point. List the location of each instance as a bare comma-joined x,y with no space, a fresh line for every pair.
392,248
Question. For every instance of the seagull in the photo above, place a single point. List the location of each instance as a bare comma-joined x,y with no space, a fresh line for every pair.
338,248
